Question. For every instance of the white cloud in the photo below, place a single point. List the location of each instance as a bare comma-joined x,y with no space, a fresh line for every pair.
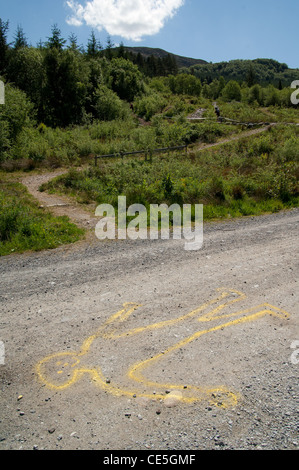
130,19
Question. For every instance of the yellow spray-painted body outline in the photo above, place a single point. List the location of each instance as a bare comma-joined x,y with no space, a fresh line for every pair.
220,396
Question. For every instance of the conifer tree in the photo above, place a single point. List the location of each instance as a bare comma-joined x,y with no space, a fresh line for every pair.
20,39
109,47
251,79
56,41
3,45
73,42
94,46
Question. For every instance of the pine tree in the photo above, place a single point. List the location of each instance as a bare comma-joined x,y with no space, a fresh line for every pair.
94,46
251,78
56,41
121,52
20,39
40,45
65,87
109,47
170,65
73,42
3,45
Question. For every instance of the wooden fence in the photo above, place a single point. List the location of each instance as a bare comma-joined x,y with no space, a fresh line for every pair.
147,152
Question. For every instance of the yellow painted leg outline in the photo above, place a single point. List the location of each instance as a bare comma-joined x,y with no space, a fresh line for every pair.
53,369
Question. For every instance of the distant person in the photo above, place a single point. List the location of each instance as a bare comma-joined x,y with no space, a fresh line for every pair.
217,111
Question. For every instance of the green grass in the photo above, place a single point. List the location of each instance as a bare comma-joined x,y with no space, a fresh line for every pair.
251,176
26,227
42,146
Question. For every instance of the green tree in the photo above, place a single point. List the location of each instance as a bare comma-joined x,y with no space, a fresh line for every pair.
255,94
251,76
20,39
56,41
121,51
109,47
17,112
65,87
94,46
95,79
185,83
107,106
171,66
3,46
214,89
26,71
73,44
124,78
232,91
271,96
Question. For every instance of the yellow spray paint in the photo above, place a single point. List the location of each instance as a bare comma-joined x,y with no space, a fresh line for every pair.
52,369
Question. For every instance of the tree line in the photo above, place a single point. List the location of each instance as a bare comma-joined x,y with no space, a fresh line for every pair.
63,81
66,82
258,71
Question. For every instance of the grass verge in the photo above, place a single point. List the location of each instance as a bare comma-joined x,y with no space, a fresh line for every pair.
26,227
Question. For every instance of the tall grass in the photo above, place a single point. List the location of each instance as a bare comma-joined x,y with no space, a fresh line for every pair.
239,178
24,226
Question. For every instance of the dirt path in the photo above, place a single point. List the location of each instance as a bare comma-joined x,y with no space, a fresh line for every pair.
59,204
233,138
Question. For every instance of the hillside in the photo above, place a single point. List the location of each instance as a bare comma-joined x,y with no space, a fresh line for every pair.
181,61
262,70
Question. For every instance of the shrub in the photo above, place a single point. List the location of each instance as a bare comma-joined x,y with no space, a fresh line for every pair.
232,91
148,106
107,105
290,149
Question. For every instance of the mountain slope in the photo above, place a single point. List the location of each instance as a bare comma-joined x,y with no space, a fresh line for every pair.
160,53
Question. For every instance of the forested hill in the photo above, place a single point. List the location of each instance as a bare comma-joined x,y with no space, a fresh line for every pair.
262,71
181,61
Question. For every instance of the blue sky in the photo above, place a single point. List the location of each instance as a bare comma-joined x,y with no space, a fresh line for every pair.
212,30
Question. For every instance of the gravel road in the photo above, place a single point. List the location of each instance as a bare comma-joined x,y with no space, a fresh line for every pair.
140,345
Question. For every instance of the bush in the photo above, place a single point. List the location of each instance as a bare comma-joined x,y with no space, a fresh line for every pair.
255,94
147,106
107,105
184,84
290,150
5,142
18,111
232,91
